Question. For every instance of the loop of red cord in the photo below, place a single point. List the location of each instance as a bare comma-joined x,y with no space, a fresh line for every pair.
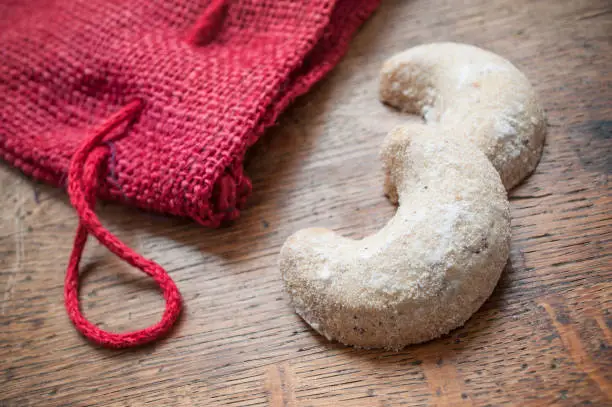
83,177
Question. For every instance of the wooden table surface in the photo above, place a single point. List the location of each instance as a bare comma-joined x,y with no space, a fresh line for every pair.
543,338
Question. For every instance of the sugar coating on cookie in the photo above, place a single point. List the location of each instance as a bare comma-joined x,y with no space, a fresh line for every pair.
428,270
440,256
474,95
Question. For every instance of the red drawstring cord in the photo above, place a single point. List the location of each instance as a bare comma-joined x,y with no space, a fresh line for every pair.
207,24
83,177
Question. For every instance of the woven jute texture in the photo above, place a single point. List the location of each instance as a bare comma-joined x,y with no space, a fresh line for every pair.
210,75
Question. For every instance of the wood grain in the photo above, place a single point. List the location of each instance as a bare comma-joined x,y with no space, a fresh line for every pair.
542,339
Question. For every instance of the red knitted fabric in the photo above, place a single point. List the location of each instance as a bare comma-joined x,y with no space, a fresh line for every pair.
159,100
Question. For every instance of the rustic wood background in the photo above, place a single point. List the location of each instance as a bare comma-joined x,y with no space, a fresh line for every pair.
542,339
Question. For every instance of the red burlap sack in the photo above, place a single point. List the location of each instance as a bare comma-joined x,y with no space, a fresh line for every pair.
153,104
